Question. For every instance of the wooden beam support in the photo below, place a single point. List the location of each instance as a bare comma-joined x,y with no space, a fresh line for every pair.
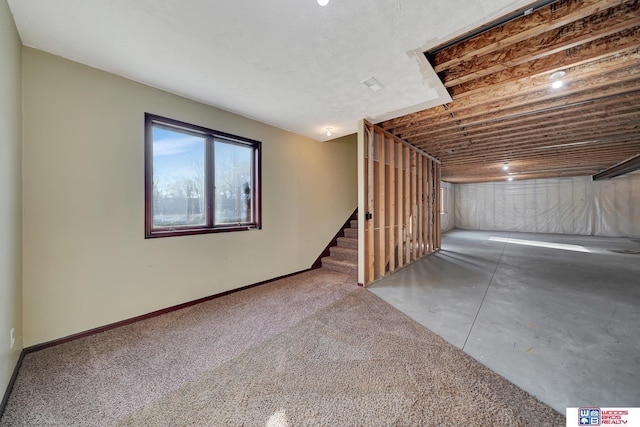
498,102
391,243
566,39
381,188
400,203
369,224
595,109
629,165
414,207
407,203
420,206
540,21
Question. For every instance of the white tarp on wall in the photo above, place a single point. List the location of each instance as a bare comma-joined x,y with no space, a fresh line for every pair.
562,205
447,214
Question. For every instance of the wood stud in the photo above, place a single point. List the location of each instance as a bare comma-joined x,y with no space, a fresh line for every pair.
380,201
400,204
407,205
370,188
402,192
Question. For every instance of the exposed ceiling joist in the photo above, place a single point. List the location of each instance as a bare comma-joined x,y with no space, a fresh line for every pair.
583,40
543,19
504,109
630,165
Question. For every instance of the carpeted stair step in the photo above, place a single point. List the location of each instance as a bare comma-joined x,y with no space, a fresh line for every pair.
340,265
351,232
348,242
347,254
343,251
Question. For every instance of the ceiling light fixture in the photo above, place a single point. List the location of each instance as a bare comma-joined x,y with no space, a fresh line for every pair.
505,167
556,77
510,178
328,131
323,2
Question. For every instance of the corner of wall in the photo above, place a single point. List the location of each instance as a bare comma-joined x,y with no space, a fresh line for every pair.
10,196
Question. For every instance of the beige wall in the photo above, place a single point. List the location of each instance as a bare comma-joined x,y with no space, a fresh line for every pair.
10,195
86,262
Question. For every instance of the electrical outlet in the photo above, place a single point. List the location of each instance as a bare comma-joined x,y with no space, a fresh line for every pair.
13,337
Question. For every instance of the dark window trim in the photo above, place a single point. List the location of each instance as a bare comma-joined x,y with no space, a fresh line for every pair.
150,232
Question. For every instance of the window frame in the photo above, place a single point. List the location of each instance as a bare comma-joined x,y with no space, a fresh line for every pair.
210,136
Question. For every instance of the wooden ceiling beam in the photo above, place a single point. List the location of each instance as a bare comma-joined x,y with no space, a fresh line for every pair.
547,171
565,126
590,119
544,168
609,155
615,84
537,22
516,145
501,157
530,163
576,157
557,173
483,118
605,159
541,87
504,152
504,110
626,166
571,36
574,72
569,124
525,165
599,111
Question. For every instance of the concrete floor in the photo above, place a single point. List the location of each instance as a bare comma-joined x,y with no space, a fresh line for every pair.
561,323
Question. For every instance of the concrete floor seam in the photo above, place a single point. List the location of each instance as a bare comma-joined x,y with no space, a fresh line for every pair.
504,246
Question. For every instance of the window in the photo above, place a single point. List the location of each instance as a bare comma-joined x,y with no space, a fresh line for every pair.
198,180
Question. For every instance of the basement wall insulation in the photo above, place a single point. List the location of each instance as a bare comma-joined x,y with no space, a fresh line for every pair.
447,213
575,205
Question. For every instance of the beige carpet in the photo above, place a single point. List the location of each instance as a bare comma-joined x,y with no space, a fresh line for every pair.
309,350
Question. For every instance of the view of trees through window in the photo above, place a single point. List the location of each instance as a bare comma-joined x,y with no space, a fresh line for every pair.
233,183
199,180
178,178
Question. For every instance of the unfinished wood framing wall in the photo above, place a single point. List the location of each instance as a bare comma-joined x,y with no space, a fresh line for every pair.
402,191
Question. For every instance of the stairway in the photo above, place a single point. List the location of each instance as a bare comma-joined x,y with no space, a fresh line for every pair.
344,257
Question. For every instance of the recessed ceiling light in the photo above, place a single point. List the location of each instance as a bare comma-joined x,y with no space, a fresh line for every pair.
510,178
505,167
323,2
328,131
556,77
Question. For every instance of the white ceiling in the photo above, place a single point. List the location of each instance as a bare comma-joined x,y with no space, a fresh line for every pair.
288,63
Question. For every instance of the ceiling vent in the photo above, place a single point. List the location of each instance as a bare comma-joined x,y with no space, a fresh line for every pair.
373,84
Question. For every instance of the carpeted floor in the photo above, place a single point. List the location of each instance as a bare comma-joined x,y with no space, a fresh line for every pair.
312,349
